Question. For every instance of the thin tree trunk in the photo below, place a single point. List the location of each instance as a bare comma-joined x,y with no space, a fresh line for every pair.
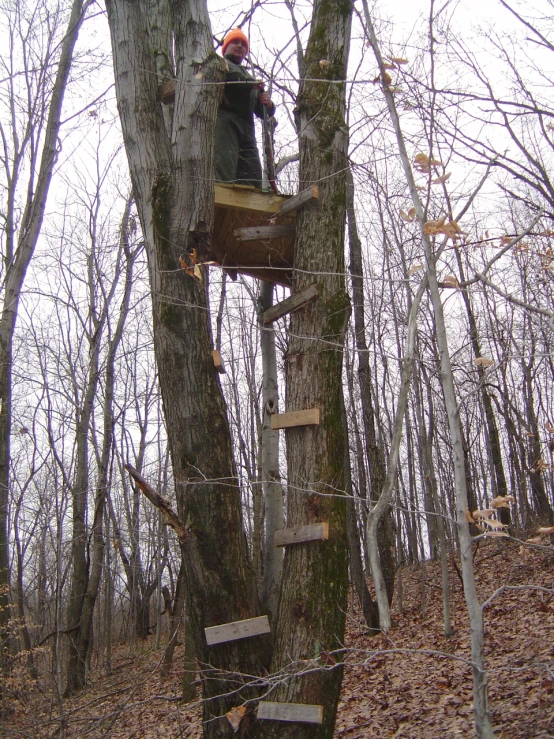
271,482
386,535
16,268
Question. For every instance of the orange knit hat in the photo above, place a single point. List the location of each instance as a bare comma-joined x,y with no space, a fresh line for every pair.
235,34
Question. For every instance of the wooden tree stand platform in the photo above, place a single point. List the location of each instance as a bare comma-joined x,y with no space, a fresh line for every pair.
254,231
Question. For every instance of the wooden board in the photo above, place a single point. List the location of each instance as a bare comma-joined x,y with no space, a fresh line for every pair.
237,630
243,197
290,304
265,232
295,712
300,534
295,418
218,362
297,201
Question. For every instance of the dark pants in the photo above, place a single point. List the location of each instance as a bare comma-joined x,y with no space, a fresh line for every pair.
236,153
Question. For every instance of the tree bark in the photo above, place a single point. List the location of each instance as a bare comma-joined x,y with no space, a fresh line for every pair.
173,184
271,482
311,613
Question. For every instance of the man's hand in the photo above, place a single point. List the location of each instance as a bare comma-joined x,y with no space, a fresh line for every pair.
265,99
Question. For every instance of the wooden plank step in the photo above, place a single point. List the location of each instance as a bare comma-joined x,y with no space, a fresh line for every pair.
297,201
237,630
295,418
254,233
299,534
290,304
303,713
218,361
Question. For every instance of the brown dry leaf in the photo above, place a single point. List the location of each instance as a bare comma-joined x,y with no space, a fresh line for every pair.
502,501
412,213
414,268
546,530
406,216
398,60
550,428
235,716
395,89
450,281
483,362
496,533
421,160
493,523
469,517
324,63
534,540
442,179
432,228
387,79
389,66
485,513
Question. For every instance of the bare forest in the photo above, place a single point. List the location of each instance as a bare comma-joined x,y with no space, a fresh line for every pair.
304,501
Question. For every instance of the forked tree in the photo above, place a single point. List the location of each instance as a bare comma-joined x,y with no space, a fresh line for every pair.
170,153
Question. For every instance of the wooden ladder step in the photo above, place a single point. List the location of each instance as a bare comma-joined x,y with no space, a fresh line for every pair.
255,233
297,201
295,418
289,304
237,630
295,712
300,534
218,361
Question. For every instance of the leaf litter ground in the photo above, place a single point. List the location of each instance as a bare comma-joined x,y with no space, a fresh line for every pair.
412,684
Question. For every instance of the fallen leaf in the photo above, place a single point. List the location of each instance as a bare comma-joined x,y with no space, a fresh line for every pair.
235,716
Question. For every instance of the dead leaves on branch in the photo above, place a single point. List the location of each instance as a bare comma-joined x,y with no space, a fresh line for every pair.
483,518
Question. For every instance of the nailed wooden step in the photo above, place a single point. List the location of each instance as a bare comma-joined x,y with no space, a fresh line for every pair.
290,304
218,361
302,713
297,201
295,418
237,630
254,233
300,534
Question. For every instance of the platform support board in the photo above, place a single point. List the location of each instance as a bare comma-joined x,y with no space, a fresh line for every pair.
237,630
218,362
256,233
297,201
290,304
295,418
301,713
301,534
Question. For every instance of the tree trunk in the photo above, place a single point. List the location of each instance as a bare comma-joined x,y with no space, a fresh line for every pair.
386,535
173,186
271,482
313,594
17,263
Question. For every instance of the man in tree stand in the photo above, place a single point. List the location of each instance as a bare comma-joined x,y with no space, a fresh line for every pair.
236,152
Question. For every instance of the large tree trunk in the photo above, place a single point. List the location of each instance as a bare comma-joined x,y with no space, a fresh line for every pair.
313,593
173,185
